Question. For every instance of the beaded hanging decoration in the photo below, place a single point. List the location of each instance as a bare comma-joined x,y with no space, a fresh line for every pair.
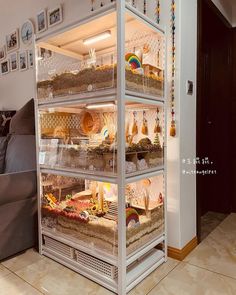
158,11
173,71
145,7
92,5
134,3
101,4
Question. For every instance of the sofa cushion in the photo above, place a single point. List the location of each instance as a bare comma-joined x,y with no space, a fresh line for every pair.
23,123
17,186
5,118
18,227
21,153
3,147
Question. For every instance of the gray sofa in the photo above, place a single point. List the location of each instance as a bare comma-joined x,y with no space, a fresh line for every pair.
18,184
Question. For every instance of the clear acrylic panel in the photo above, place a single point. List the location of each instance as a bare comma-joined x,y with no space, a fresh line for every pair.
80,137
144,212
80,60
144,57
84,211
144,137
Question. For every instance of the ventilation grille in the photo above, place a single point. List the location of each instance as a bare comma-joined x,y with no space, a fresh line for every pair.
82,258
96,264
59,247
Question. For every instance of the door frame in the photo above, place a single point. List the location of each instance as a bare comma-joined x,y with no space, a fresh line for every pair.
200,59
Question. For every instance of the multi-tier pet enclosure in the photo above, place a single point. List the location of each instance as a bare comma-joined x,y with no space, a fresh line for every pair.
101,146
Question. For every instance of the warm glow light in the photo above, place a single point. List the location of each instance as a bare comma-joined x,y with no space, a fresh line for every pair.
100,105
97,38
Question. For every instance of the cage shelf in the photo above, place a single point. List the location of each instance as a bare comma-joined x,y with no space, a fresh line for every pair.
101,139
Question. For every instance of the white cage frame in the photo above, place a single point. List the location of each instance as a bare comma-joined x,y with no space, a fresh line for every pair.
141,263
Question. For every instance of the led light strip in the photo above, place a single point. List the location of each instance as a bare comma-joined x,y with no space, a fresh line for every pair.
97,38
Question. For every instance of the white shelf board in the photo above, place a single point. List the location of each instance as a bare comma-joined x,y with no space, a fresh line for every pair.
138,175
144,249
102,176
84,174
142,269
98,96
81,269
133,95
87,97
75,243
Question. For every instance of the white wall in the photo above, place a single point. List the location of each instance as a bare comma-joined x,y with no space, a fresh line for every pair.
17,88
188,71
182,188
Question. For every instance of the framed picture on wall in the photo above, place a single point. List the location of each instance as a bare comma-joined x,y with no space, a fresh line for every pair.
23,61
27,32
5,67
54,16
2,52
31,58
41,23
44,53
14,62
12,41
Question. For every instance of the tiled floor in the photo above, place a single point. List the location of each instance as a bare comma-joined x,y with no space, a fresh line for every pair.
209,222
209,270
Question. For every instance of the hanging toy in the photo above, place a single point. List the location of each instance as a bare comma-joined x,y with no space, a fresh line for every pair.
145,7
157,128
135,125
134,3
127,135
145,124
101,4
92,4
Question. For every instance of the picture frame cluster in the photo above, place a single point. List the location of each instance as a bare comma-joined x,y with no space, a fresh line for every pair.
11,58
46,19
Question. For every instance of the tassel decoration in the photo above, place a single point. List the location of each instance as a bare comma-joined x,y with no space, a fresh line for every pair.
157,128
173,129
92,4
135,126
145,124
